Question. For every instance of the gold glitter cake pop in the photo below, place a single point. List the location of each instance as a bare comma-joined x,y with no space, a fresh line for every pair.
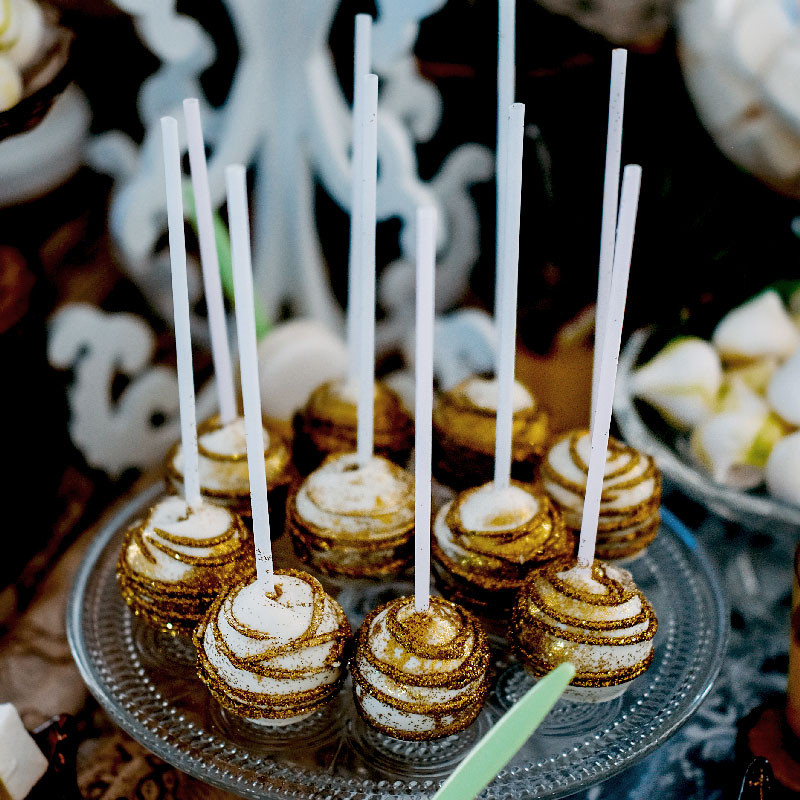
464,421
629,517
224,477
177,560
329,421
273,659
353,521
486,541
420,674
602,624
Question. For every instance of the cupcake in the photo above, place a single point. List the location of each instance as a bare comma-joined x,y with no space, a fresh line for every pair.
352,521
420,674
328,425
602,624
224,477
629,518
485,542
178,559
464,421
273,659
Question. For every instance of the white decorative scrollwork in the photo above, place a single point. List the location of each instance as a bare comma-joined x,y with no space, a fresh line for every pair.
287,117
135,429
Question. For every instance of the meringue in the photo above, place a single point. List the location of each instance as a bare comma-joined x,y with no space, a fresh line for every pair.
177,560
629,517
759,328
273,659
486,541
23,30
353,521
783,469
783,392
601,623
682,381
10,84
731,446
420,674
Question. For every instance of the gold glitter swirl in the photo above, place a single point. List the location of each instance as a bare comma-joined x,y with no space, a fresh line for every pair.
380,547
557,619
329,422
231,468
464,439
275,705
624,530
176,606
488,567
429,668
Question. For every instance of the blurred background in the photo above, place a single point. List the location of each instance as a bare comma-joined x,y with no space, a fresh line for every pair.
707,117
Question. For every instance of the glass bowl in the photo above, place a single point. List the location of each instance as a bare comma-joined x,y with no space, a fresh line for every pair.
642,428
146,685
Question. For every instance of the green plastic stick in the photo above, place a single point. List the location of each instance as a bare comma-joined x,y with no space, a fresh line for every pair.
224,255
504,740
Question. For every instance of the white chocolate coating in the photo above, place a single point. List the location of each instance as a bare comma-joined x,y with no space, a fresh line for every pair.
403,687
145,554
274,660
631,496
603,626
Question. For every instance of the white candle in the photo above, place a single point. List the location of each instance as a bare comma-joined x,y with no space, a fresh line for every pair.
426,261
506,57
608,232
601,420
361,67
180,304
507,311
236,182
366,344
220,350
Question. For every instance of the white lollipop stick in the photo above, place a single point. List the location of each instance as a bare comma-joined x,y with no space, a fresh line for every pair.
361,67
426,262
506,57
506,314
180,304
366,344
236,182
601,421
608,233
220,351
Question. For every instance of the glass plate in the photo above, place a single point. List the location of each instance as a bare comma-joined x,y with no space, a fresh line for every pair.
146,685
642,427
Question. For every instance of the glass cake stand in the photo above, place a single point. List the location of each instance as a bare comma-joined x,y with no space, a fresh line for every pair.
642,427
145,683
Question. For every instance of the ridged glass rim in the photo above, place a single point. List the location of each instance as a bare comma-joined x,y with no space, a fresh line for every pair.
512,781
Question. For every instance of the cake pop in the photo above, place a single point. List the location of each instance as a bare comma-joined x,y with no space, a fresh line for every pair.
328,424
420,675
224,475
464,421
629,518
485,542
177,559
273,659
600,623
353,521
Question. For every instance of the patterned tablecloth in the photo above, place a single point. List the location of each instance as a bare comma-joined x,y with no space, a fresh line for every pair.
37,674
